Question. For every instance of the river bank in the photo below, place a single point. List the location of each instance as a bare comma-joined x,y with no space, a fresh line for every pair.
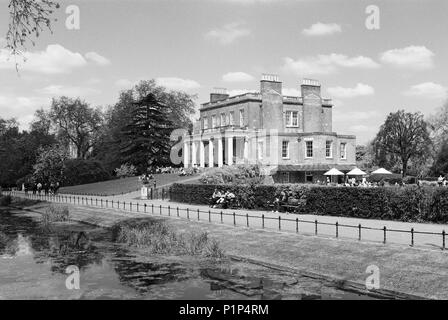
340,263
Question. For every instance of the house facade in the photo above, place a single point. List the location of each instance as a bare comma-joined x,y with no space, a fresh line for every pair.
290,137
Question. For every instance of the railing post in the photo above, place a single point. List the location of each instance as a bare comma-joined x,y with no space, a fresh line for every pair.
279,222
247,220
188,214
130,206
337,229
169,211
384,230
315,227
152,208
234,220
262,221
160,209
209,216
221,217
144,207
101,203
297,225
177,210
198,215
412,237
359,232
137,207
107,203
443,239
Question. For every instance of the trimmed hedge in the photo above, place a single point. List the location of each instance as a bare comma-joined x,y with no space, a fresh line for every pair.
408,203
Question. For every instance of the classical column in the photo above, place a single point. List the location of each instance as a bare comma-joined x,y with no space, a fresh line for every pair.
229,151
210,153
220,160
246,150
201,154
186,152
193,153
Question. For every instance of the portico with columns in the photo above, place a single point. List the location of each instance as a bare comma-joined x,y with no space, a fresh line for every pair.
216,149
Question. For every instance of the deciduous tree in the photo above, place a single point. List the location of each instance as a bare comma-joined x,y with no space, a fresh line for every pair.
76,123
404,135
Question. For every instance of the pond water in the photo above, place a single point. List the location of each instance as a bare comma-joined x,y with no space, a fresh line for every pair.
34,260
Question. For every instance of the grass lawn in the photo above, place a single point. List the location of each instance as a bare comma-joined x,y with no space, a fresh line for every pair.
121,186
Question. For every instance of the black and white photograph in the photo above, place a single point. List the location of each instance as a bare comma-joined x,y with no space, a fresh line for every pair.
217,156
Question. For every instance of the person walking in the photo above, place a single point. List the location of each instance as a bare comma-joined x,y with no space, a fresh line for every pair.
39,187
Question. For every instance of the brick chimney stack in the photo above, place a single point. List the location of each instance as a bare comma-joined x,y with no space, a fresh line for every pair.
218,94
272,101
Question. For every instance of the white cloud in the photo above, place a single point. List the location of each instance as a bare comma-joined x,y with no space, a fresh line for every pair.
322,29
428,90
237,77
326,64
55,59
359,90
412,57
229,33
71,91
22,108
178,83
2,42
292,92
97,58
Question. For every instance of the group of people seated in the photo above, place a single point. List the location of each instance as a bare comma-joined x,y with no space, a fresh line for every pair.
223,200
353,182
166,170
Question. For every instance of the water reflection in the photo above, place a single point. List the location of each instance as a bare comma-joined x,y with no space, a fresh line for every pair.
37,256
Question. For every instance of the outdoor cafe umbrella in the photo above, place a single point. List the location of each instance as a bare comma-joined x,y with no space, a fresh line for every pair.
381,171
333,172
356,172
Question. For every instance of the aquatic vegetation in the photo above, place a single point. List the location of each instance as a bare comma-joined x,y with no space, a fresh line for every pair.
55,213
159,238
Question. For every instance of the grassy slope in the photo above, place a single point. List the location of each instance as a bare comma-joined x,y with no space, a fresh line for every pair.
120,186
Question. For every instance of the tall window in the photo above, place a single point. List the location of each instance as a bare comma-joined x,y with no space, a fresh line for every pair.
205,123
343,150
223,119
213,121
242,118
231,118
329,149
309,149
292,119
285,149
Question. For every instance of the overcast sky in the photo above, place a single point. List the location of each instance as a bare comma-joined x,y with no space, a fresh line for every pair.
195,45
